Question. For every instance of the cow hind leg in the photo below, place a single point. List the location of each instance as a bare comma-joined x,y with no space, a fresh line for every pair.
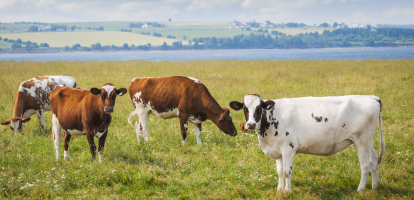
364,151
66,139
143,120
56,133
41,117
373,163
184,128
197,129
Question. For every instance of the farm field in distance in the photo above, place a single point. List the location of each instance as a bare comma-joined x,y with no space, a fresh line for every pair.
223,167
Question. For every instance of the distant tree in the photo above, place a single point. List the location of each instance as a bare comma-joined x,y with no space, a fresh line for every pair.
190,43
149,44
73,28
113,46
67,48
0,38
169,19
148,33
164,45
33,29
101,28
324,25
335,24
96,46
266,31
42,44
260,30
35,45
248,29
184,37
125,46
15,46
369,27
254,24
5,39
19,41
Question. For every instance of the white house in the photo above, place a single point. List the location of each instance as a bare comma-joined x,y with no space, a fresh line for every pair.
236,24
60,30
16,30
147,25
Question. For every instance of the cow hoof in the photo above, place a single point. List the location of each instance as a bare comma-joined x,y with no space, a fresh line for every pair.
288,190
280,189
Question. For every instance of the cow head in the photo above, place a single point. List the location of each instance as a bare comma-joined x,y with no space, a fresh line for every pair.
108,94
16,123
252,106
225,123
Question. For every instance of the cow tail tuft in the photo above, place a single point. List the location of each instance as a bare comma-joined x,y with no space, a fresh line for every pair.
130,116
382,143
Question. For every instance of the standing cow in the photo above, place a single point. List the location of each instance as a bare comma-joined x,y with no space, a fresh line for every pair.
82,112
315,125
32,97
177,96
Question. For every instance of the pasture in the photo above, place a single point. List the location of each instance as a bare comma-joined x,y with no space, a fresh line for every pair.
223,167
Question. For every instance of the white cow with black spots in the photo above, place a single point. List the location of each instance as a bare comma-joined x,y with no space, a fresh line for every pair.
315,125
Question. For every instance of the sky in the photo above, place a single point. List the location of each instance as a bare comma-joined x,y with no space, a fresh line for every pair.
277,11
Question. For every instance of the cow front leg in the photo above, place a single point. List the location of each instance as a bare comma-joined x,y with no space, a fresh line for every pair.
364,160
91,142
184,128
197,129
41,117
288,156
66,139
101,145
279,168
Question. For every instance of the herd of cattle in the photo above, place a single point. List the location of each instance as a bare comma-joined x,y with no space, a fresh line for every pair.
309,125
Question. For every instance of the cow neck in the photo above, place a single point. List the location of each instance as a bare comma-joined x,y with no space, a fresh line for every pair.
214,110
18,105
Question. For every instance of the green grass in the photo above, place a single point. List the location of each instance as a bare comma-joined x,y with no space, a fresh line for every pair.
223,167
4,44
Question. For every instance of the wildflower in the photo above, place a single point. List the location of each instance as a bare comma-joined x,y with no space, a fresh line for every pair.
398,152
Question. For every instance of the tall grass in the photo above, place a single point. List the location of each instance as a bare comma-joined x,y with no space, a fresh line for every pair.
223,167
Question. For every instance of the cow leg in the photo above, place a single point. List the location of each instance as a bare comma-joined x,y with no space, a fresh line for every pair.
373,162
101,146
91,142
66,139
279,168
184,128
56,133
142,125
41,117
364,150
288,156
197,129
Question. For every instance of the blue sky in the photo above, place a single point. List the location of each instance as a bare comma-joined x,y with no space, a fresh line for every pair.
306,11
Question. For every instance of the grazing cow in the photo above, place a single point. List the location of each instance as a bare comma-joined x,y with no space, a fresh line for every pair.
82,112
184,97
315,125
32,97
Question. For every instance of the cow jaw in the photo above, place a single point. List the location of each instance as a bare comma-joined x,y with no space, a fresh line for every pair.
15,125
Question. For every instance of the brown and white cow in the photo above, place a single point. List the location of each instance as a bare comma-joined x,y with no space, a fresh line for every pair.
82,112
315,125
177,96
32,97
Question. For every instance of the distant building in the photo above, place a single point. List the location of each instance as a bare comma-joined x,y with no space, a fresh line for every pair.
16,30
60,30
247,23
267,24
26,30
236,24
147,25
48,28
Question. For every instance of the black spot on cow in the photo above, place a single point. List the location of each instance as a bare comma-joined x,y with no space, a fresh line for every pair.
275,124
318,119
291,145
343,125
264,124
287,133
291,167
276,133
290,171
326,119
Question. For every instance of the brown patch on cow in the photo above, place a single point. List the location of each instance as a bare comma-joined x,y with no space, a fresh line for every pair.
326,119
140,127
264,124
318,119
242,125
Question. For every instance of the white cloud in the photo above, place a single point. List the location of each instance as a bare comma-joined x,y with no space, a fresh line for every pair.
399,13
210,4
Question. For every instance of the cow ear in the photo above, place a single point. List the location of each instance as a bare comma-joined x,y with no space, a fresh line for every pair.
223,115
268,104
121,91
95,91
235,105
25,119
6,122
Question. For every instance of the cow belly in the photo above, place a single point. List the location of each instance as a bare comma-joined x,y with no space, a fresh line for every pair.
167,114
75,132
324,148
28,113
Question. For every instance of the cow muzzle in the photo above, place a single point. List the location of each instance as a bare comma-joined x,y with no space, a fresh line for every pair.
251,125
109,109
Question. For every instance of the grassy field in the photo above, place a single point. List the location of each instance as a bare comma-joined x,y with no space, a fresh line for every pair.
61,39
223,167
5,44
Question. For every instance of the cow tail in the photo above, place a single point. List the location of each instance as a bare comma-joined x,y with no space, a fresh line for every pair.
382,143
130,116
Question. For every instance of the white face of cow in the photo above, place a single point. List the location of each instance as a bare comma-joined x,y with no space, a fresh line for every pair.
16,123
253,107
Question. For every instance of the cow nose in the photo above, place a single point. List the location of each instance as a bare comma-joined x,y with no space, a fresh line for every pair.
251,125
109,109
